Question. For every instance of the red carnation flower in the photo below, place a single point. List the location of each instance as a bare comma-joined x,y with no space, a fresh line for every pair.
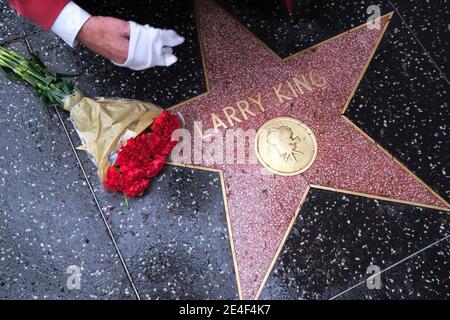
113,179
136,188
142,157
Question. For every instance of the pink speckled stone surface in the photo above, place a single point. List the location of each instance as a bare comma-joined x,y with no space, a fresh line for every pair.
262,205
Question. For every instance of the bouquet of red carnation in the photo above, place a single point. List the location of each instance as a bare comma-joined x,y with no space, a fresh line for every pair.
128,140
142,157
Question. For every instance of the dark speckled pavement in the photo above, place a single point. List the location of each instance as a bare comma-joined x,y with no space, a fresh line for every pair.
173,243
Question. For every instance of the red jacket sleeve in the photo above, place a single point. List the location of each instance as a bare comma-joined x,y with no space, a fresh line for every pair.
41,12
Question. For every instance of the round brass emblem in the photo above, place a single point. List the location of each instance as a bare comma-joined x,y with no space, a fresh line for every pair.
285,146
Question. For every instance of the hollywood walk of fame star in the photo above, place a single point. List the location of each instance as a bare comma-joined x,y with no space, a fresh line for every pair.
248,86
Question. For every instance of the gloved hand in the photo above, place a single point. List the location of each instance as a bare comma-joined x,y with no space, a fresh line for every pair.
150,47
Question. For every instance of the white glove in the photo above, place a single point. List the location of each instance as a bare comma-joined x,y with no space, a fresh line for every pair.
150,47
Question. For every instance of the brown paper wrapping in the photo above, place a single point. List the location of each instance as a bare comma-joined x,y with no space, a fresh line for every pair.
101,123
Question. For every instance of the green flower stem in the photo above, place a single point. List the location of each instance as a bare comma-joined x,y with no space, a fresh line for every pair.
50,87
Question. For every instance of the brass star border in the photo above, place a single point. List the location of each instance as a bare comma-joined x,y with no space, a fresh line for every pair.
305,194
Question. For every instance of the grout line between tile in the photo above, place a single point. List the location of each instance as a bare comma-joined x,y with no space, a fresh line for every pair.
419,42
22,29
391,266
98,204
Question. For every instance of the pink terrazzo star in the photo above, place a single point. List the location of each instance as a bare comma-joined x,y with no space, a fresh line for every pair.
262,205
